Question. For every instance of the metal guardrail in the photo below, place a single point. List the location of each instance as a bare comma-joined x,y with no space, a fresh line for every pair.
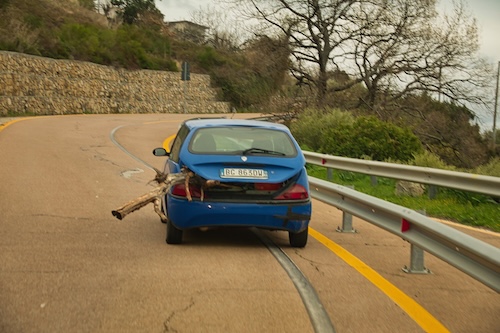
457,180
476,258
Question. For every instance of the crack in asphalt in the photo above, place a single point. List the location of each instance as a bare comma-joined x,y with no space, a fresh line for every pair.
62,217
100,157
166,324
311,262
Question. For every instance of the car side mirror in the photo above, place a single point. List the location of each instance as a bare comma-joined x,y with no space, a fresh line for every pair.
160,152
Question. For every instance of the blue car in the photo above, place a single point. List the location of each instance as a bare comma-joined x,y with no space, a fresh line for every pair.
257,175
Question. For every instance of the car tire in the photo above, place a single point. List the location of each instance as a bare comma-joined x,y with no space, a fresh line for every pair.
298,239
174,234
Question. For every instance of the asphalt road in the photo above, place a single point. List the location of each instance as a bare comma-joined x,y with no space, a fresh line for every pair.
67,265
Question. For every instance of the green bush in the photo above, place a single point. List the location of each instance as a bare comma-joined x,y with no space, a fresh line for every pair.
240,85
4,3
89,4
312,125
339,133
492,168
129,46
430,160
79,41
208,57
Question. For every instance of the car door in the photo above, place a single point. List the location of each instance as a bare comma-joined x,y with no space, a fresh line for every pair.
173,160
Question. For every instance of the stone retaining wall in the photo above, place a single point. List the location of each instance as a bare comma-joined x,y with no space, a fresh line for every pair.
44,86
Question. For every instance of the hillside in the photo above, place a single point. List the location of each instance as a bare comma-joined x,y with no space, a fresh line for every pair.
27,23
67,30
64,29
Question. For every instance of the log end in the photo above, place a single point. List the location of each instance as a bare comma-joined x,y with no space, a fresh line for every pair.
117,214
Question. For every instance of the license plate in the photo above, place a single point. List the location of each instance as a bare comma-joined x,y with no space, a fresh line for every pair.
243,173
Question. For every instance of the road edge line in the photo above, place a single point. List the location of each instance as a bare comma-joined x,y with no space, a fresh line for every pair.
7,124
420,315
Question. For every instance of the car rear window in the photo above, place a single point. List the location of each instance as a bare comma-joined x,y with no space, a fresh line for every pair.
237,140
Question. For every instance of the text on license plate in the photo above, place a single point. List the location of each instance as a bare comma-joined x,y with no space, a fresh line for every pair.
243,173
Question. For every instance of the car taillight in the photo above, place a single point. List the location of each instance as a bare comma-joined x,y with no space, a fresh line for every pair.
267,186
296,192
180,190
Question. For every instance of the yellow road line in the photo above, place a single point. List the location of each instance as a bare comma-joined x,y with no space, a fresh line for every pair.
421,316
5,125
166,142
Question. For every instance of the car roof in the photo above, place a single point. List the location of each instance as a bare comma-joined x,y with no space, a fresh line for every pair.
217,122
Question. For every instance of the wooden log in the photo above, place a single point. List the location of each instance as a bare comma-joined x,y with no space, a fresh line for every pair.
136,204
154,196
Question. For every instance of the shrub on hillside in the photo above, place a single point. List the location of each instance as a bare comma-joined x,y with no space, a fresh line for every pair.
128,46
88,4
492,168
430,160
311,126
373,138
244,78
241,85
339,133
208,57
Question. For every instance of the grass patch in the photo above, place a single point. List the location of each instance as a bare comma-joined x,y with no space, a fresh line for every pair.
462,207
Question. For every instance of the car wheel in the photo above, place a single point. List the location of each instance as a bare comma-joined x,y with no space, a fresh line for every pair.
298,239
174,234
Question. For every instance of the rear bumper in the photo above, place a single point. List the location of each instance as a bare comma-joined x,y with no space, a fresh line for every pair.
287,216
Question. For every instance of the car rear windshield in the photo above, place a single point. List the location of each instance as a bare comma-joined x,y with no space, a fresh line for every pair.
242,140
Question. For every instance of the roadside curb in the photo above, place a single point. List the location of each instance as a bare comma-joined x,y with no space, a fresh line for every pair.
4,120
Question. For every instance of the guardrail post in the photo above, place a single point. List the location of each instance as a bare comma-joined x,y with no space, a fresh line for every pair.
346,223
416,258
432,191
329,174
347,220
373,180
416,261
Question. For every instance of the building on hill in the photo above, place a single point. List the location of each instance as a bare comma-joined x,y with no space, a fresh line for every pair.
188,31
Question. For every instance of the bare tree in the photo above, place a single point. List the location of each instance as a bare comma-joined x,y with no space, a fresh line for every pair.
317,31
224,31
394,47
381,52
408,48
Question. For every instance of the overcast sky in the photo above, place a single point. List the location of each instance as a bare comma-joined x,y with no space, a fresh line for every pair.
487,13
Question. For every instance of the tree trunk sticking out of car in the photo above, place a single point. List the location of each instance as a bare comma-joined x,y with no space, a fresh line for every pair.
298,239
164,183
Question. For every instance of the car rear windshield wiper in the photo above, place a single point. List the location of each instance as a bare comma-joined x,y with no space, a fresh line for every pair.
262,151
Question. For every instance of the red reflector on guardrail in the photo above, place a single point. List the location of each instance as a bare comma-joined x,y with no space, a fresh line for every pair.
405,225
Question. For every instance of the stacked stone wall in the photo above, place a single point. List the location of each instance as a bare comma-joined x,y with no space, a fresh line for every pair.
43,86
